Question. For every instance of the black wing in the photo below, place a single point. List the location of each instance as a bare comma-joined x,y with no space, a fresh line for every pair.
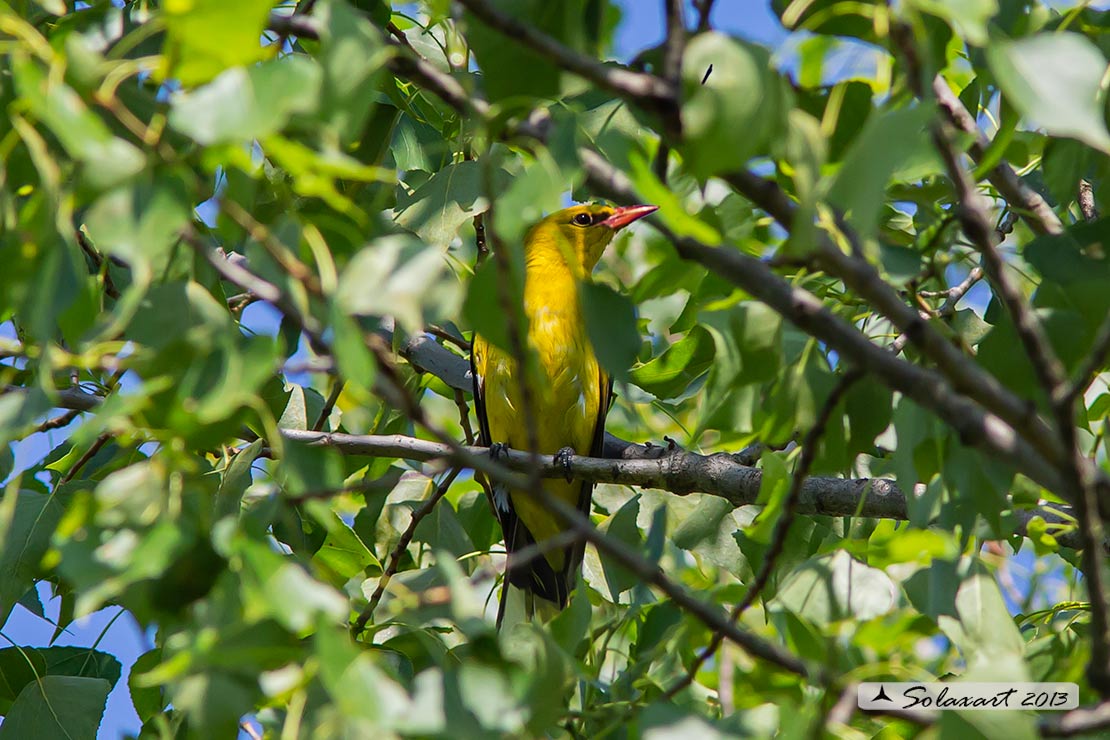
576,552
536,575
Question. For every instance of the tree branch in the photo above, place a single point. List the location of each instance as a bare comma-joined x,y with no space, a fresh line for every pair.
977,428
967,376
809,447
651,574
645,90
977,225
705,9
1032,207
1081,721
1079,478
359,625
681,473
674,45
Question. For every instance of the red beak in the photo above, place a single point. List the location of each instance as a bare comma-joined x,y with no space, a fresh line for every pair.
627,214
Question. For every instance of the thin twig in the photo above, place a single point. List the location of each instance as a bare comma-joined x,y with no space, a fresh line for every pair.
94,448
674,48
236,274
1033,209
809,445
447,336
281,254
464,417
961,373
646,91
99,263
480,238
842,711
977,427
977,225
57,422
1081,721
329,404
398,34
705,9
398,552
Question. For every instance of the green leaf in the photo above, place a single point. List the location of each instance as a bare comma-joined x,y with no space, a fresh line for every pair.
140,222
833,587
622,526
538,188
982,482
26,537
213,702
358,687
394,276
248,103
743,94
1054,80
173,313
108,160
887,142
511,69
351,54
343,554
611,326
205,37
669,374
1013,725
671,207
985,630
968,18
484,304
932,590
19,666
57,707
235,480
285,591
440,206
706,525
147,700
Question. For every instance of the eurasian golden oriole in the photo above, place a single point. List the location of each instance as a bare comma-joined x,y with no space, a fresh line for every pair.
570,397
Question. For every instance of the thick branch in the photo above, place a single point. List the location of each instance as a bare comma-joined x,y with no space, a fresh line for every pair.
1032,207
679,472
858,274
977,226
976,427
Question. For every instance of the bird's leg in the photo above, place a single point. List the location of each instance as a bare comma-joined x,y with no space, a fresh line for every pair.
498,450
564,457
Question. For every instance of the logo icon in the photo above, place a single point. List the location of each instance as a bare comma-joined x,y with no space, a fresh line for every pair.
881,696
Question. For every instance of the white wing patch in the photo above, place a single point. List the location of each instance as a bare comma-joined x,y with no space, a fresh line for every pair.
501,497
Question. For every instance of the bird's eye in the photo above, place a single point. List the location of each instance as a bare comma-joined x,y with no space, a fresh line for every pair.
583,219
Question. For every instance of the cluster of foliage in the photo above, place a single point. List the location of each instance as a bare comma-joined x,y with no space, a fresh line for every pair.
342,154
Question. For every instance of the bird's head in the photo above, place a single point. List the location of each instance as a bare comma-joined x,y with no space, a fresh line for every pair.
586,230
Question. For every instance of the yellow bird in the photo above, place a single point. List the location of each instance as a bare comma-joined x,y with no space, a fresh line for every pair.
569,402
